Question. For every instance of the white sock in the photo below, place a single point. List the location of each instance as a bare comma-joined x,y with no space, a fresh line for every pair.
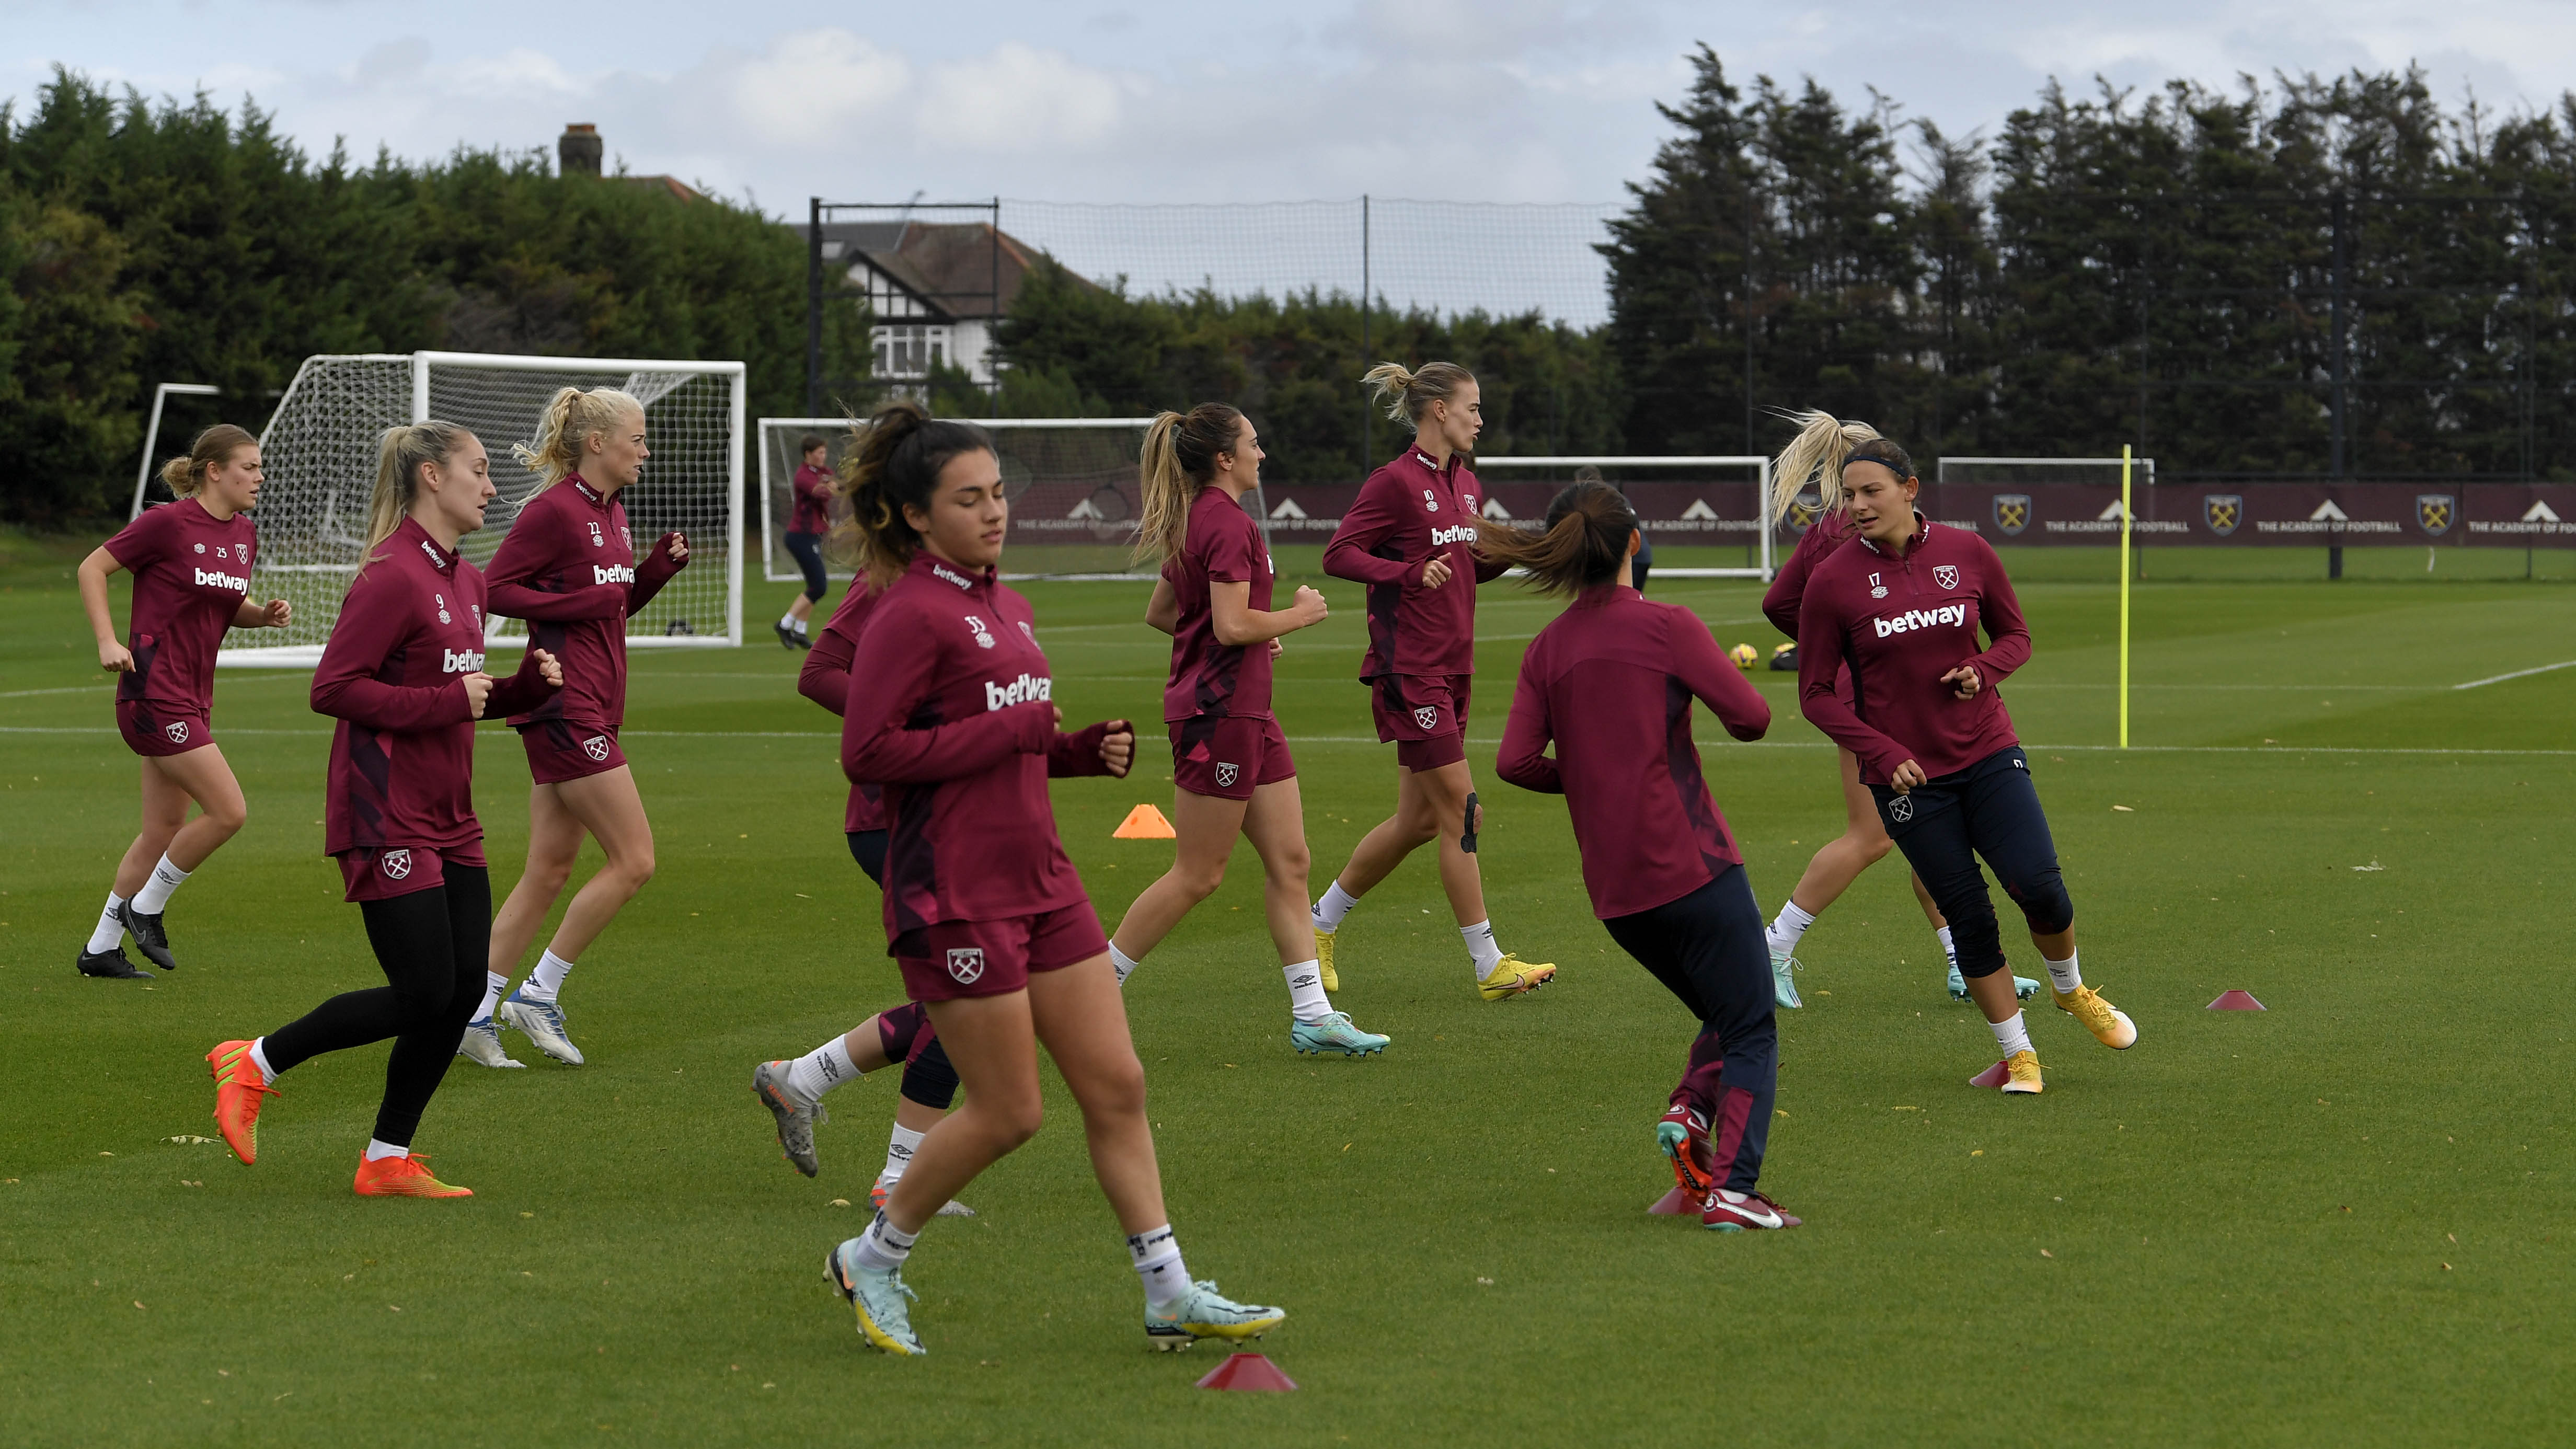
899,1149
2064,976
884,1246
1158,1263
378,1150
1336,904
547,980
2010,1035
154,898
259,1059
820,1070
790,621
1949,948
1787,927
1306,998
494,983
1480,945
800,628
109,930
1119,962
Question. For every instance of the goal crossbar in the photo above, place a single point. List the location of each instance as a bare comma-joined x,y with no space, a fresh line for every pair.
1762,491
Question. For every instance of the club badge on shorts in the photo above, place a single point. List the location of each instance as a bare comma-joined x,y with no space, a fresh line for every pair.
966,964
1901,809
1946,575
1226,775
396,864
596,747
1427,717
177,730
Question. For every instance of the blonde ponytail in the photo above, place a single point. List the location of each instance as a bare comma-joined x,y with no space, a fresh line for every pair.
565,428
1816,455
213,448
1179,458
1406,394
400,454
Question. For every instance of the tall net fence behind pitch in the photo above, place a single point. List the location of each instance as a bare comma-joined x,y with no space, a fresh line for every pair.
320,453
1072,485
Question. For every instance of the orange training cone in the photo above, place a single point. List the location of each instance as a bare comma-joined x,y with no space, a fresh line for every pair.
1144,823
1246,1370
2236,1001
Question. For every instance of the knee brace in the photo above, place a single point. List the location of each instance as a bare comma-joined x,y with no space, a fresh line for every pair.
901,1030
929,1079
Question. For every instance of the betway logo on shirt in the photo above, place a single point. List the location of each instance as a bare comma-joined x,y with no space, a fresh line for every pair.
1912,619
952,576
1461,533
1023,690
221,580
611,574
460,661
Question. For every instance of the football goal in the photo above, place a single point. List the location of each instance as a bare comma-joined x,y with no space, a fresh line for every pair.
1708,503
1071,484
320,449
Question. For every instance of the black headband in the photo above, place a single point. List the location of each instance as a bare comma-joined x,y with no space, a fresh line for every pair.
1862,454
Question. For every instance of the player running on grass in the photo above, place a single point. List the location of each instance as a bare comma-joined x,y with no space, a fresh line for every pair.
191,565
805,528
1902,606
983,911
403,674
1817,454
793,1090
1409,537
1610,682
1231,772
570,569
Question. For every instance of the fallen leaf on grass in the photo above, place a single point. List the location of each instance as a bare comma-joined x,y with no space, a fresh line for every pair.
2047,1254
840,1202
2374,865
189,1140
2123,809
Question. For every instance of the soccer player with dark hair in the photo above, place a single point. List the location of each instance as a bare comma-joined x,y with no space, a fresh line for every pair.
1610,682
1231,772
1816,455
1903,605
191,565
950,709
793,1090
805,527
403,674
1410,536
569,567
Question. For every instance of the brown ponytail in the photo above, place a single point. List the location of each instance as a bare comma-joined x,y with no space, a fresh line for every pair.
1584,542
1180,456
896,462
214,447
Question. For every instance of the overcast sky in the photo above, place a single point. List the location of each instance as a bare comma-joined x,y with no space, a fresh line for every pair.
1142,100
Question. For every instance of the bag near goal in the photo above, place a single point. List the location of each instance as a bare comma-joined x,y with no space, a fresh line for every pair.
320,448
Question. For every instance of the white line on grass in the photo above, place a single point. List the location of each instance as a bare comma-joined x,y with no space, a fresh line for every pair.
2517,674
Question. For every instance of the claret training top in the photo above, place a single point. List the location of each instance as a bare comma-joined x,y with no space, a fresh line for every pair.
402,756
1901,622
1223,546
568,568
950,710
191,574
825,679
1407,512
1611,681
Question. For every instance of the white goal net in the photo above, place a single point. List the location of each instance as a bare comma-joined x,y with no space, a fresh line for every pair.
1071,484
319,451
1711,505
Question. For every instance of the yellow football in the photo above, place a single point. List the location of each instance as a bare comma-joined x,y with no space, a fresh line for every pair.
1743,656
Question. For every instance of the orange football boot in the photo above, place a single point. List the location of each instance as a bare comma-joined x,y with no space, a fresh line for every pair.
403,1177
238,1088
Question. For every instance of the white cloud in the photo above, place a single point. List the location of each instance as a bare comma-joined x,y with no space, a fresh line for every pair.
813,85
1018,101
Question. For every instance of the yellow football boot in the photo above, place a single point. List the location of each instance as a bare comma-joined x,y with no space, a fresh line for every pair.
2110,1027
2024,1067
1513,976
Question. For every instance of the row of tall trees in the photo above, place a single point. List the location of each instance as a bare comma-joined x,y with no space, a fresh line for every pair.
2211,275
145,242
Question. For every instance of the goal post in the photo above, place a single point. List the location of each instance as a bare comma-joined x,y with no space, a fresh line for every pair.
319,451
1711,499
1071,483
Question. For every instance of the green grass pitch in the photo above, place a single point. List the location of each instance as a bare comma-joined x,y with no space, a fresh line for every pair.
2336,1222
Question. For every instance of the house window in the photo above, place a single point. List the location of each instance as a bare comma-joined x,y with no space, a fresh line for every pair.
910,349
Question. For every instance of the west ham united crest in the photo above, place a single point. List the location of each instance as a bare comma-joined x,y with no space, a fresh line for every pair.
596,747
396,863
2434,512
966,964
1946,575
1804,510
2012,512
1428,716
1901,809
1226,775
2222,512
177,730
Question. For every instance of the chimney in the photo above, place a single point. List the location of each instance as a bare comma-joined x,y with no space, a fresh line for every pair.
579,150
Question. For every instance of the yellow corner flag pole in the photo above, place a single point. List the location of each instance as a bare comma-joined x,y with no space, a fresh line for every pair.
2124,595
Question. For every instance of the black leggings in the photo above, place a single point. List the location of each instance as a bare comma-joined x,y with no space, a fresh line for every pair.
1989,809
1708,949
928,1078
807,549
433,946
